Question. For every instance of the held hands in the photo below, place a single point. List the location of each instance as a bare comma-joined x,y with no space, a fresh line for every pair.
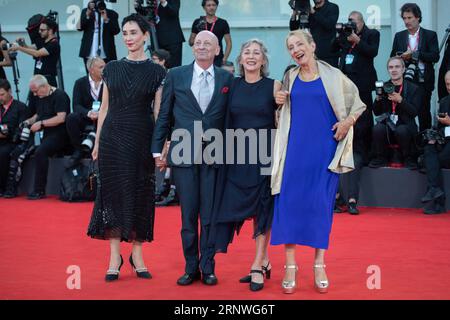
395,97
342,128
281,97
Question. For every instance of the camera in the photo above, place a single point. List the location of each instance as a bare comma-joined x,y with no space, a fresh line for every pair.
97,6
382,89
23,134
7,46
346,29
304,9
442,115
4,129
146,8
88,143
202,24
432,135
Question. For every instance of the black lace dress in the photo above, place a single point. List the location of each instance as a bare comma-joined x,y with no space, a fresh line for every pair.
124,207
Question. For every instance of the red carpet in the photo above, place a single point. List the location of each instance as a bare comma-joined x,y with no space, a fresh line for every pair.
39,240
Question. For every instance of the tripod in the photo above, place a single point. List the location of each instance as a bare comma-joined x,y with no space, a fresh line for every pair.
16,72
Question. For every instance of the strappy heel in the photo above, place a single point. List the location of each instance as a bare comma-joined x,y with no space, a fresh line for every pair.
112,274
321,286
267,270
290,286
140,272
255,286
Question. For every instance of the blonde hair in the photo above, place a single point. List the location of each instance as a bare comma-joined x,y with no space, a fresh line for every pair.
300,33
265,67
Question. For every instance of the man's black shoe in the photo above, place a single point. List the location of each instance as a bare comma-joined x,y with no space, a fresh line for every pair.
353,209
337,209
411,164
432,193
209,279
170,200
435,208
378,163
9,194
36,195
187,279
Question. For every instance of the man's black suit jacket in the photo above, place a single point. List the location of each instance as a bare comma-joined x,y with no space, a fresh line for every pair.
408,110
428,52
168,30
110,29
362,72
180,106
82,99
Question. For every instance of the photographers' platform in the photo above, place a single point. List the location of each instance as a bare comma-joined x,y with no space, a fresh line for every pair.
384,187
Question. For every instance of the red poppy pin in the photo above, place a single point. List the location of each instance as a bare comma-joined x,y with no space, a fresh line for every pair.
225,90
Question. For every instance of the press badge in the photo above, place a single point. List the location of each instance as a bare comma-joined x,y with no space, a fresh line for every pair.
394,118
96,106
349,59
447,132
39,65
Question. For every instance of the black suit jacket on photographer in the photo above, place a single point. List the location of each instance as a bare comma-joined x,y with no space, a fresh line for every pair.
428,52
2,71
445,66
323,29
408,110
82,98
444,107
362,71
16,113
168,30
110,29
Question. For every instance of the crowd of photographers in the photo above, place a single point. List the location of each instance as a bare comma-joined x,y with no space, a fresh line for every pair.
386,134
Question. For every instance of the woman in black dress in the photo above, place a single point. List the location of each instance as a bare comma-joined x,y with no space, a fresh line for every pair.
243,191
124,208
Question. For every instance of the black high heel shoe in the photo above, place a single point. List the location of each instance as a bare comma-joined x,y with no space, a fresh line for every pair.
111,274
266,269
255,286
141,272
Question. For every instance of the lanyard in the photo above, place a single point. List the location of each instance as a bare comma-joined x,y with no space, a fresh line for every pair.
6,107
213,24
351,49
93,94
417,43
394,104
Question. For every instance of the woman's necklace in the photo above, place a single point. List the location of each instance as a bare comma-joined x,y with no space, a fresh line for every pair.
315,76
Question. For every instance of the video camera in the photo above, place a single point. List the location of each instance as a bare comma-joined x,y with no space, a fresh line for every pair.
346,29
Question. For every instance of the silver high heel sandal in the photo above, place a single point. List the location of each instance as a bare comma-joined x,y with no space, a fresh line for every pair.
290,286
321,286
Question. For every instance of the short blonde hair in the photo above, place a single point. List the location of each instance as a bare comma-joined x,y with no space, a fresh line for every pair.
300,33
265,67
395,58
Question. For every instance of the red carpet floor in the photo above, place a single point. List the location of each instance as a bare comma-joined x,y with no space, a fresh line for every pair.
40,240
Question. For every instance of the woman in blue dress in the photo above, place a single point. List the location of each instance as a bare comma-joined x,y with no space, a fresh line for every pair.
313,144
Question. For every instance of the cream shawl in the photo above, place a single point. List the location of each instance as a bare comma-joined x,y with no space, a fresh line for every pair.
344,98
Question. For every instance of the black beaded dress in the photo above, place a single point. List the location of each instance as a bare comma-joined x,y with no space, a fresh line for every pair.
124,206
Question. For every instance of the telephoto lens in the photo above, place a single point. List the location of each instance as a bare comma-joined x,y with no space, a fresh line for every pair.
389,88
88,143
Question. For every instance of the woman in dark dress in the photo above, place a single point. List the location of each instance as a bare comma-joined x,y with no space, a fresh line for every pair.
244,191
124,207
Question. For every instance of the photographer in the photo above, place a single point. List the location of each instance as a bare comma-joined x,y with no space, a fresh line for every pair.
358,46
46,57
217,26
5,60
437,156
445,66
49,114
397,106
87,97
419,49
12,112
99,26
322,24
168,30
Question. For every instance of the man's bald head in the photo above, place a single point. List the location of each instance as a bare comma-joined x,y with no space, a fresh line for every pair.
206,48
